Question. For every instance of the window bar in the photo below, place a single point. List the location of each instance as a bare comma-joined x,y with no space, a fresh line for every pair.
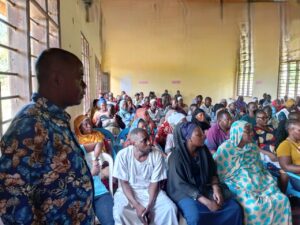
8,24
9,97
28,18
6,121
37,40
58,22
8,73
47,25
37,5
297,78
34,21
53,35
287,79
249,46
1,122
9,48
11,2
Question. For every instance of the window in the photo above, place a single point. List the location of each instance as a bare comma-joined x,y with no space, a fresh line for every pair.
103,79
105,82
245,68
98,75
27,27
85,57
289,82
44,31
289,69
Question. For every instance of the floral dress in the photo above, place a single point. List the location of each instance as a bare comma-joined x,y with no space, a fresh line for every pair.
255,189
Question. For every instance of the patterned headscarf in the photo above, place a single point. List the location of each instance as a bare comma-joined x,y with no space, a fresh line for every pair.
236,132
101,101
93,137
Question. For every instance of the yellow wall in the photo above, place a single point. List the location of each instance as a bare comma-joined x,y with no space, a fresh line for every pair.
149,44
72,18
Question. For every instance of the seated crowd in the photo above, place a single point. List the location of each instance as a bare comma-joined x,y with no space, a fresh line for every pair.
227,163
223,158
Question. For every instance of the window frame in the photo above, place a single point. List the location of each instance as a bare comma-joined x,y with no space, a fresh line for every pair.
16,20
85,57
245,68
285,85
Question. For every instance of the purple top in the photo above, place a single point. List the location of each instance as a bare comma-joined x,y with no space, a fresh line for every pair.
215,137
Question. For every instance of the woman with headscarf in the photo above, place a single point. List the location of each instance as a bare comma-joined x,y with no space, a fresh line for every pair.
137,123
143,114
239,166
199,118
131,107
84,132
163,130
174,119
92,140
100,111
124,113
193,182
112,121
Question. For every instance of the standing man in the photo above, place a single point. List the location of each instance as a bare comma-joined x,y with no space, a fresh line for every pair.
139,200
44,178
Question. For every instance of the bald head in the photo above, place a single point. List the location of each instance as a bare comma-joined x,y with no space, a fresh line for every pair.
52,60
134,134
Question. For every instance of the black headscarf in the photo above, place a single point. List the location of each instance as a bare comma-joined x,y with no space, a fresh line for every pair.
182,181
204,125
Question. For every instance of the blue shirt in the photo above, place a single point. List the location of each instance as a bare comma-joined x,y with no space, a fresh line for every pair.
99,187
43,175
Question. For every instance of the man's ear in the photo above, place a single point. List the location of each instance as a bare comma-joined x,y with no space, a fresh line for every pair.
56,79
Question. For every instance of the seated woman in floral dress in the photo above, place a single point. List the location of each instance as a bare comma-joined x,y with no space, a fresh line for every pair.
240,167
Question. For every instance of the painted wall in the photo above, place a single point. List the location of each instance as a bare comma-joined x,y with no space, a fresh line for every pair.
73,23
189,45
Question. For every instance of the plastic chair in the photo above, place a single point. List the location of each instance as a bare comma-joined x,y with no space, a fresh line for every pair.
121,139
102,158
110,137
123,135
290,191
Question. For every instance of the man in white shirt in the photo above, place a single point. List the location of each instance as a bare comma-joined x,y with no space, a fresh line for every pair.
154,112
139,200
